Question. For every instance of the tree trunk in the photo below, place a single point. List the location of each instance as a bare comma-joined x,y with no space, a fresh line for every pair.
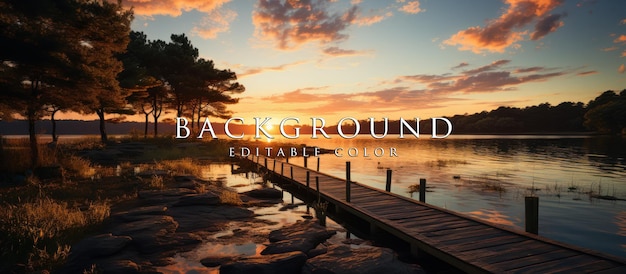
34,148
145,128
55,137
103,132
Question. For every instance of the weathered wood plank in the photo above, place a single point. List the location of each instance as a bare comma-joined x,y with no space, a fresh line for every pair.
465,242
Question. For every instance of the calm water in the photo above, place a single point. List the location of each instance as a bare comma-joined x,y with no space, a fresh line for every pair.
489,176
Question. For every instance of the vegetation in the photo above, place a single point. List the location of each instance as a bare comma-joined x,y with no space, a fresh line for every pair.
80,56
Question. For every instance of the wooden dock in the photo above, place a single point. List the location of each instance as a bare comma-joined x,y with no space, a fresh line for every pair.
467,243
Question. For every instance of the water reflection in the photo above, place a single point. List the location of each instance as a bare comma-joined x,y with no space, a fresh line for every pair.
488,177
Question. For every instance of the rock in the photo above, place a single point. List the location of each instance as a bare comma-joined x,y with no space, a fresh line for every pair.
148,225
98,246
206,218
319,250
217,261
119,266
306,228
302,236
198,199
139,213
265,193
291,262
94,249
163,197
341,259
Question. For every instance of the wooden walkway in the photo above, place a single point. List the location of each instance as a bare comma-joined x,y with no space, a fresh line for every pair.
469,244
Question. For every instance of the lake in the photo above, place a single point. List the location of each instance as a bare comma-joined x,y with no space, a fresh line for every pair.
580,180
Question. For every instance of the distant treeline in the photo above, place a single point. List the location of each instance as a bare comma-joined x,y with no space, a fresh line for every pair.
604,114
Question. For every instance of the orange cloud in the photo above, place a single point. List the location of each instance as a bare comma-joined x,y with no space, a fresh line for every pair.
412,7
508,29
293,23
426,90
172,8
621,69
620,39
216,22
373,19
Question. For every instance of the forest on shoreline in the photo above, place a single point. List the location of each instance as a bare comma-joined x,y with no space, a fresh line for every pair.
606,114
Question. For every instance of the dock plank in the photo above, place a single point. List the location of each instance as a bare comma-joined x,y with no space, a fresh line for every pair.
470,244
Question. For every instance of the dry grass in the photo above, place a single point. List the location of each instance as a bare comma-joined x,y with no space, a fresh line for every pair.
31,229
230,198
156,182
185,166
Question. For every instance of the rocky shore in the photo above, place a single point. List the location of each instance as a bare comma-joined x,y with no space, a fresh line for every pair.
145,235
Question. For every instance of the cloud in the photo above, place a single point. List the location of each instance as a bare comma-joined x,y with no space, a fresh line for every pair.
412,7
462,64
291,24
336,51
371,19
216,22
172,8
487,78
257,70
610,48
529,69
547,25
508,29
620,39
489,67
585,73
623,22
423,90
621,69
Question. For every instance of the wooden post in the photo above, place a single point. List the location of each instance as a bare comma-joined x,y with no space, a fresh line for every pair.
307,179
317,187
265,163
291,171
348,181
232,168
318,164
388,184
306,160
532,214
422,190
282,167
274,168
287,159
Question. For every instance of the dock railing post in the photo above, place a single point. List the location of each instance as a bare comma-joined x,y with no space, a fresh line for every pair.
291,171
348,181
282,168
306,161
388,183
422,190
318,164
317,188
274,168
308,179
265,163
287,159
532,214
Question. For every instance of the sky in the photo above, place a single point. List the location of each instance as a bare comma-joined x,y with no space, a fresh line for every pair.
401,58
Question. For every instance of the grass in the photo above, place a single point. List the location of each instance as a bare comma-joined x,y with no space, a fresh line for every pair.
40,218
229,197
31,229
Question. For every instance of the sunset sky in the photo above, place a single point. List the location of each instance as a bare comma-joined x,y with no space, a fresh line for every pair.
400,58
